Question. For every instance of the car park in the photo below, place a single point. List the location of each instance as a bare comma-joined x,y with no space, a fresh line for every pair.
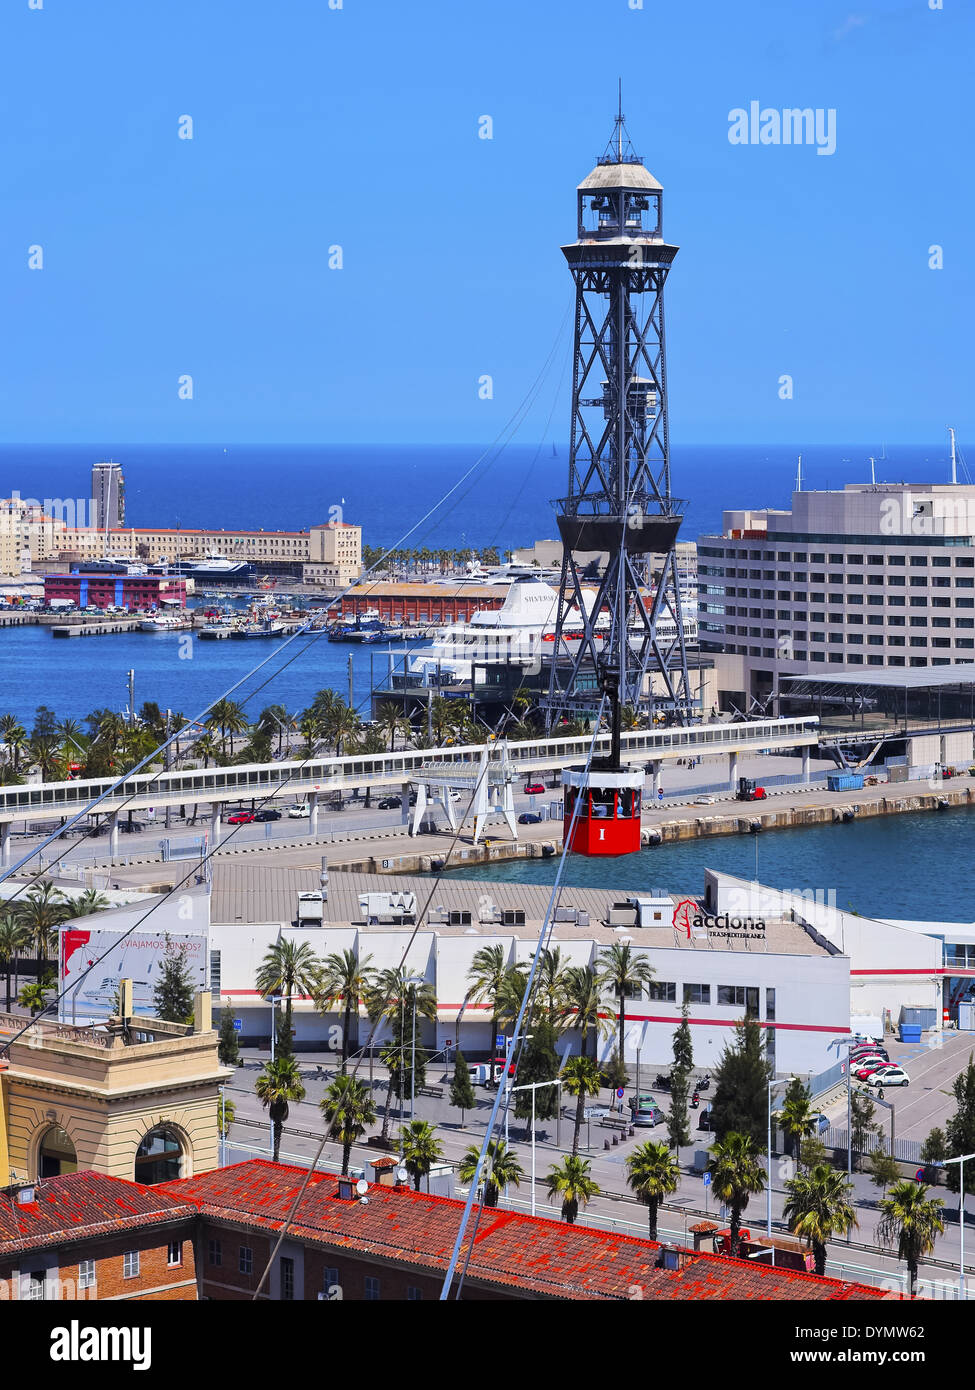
529,818
240,818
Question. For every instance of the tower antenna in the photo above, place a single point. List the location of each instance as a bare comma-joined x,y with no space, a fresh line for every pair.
954,463
799,476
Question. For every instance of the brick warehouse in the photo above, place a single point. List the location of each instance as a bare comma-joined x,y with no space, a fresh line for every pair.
88,1236
421,604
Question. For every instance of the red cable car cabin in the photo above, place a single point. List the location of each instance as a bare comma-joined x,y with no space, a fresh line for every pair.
608,820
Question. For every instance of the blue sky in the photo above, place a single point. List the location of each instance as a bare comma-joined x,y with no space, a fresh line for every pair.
358,127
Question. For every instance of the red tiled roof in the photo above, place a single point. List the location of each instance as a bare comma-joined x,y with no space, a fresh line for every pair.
517,1251
77,1205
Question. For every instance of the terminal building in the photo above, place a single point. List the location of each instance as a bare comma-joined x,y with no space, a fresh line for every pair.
871,577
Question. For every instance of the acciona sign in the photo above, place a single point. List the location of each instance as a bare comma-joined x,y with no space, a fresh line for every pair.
689,919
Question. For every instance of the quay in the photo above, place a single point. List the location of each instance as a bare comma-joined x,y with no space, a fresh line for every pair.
98,628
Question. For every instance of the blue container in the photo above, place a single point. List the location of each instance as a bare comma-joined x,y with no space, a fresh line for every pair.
844,781
910,1032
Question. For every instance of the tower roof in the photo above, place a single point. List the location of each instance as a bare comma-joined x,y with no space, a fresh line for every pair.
620,175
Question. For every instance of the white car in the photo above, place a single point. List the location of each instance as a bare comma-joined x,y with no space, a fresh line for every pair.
889,1076
704,801
299,812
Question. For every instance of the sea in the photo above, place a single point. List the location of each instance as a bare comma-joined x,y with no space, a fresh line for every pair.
411,497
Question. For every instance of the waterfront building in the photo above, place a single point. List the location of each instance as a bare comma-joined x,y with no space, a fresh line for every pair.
26,532
107,496
135,591
871,576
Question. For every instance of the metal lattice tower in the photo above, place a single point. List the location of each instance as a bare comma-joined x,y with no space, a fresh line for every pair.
619,498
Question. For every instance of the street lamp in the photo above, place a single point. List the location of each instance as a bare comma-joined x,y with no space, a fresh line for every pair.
783,1081
961,1217
533,1087
848,1043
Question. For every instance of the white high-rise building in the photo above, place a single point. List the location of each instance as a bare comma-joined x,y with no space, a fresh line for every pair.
875,575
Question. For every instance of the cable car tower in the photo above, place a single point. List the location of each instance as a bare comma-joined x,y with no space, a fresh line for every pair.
619,501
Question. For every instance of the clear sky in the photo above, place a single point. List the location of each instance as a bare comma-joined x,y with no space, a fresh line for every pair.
358,127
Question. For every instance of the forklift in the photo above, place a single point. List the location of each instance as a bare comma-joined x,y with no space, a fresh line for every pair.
748,791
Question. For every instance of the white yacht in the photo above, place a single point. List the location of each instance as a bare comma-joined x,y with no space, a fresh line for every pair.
518,633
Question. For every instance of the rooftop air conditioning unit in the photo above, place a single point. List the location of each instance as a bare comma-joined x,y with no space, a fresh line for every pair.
311,909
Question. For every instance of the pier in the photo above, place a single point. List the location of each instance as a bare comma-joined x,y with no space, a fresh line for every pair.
99,628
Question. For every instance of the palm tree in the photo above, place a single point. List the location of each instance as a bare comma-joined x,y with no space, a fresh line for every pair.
345,979
312,730
393,723
32,997
486,977
623,973
14,737
70,731
420,1148
274,719
736,1175
653,1173
570,1180
14,938
226,1114
206,747
581,1078
914,1220
342,728
85,904
501,1169
797,1118
42,910
583,1007
289,968
227,716
395,995
818,1209
348,1107
278,1085
46,755
511,995
550,980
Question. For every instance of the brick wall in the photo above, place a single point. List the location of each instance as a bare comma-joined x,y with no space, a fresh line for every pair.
156,1277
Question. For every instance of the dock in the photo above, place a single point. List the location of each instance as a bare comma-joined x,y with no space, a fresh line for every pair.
96,629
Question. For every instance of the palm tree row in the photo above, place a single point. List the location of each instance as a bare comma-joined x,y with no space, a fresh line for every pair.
33,920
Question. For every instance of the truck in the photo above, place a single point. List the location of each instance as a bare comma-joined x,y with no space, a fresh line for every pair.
748,791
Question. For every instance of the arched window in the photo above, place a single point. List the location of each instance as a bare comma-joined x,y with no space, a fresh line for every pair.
159,1157
56,1154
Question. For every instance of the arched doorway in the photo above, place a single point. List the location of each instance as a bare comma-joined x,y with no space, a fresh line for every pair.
56,1154
159,1157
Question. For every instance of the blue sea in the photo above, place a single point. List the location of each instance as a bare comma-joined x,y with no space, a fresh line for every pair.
497,498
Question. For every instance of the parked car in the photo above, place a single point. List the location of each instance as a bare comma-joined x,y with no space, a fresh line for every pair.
529,818
268,813
389,803
240,818
860,1056
821,1123
534,788
704,801
863,1072
704,1121
299,812
646,1113
889,1076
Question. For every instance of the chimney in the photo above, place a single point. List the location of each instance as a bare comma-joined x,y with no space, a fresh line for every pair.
346,1189
384,1171
203,1013
125,1000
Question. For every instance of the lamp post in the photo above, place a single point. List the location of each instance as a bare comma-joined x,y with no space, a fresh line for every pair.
848,1043
783,1081
533,1087
961,1161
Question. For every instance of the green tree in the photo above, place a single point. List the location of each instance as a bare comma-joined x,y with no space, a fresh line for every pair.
583,1007
461,1091
348,1108
226,1114
346,980
228,1048
486,977
172,998
818,1208
862,1123
229,718
420,1148
613,1076
42,911
500,1169
683,1043
653,1173
290,968
88,902
960,1128
538,1062
580,1078
278,1087
884,1170
14,941
550,981
736,1174
914,1221
796,1119
678,1124
624,974
935,1147
740,1104
33,997
397,997
571,1181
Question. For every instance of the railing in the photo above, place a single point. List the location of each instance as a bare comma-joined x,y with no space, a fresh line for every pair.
326,774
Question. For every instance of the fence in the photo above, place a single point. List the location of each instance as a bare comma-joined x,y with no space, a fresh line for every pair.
905,1150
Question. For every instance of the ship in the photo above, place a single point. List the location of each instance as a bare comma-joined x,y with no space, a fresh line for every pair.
213,568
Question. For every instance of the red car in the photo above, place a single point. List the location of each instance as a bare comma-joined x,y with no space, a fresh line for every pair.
534,788
240,818
861,1073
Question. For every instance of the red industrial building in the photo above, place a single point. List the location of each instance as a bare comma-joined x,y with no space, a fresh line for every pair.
421,604
136,591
